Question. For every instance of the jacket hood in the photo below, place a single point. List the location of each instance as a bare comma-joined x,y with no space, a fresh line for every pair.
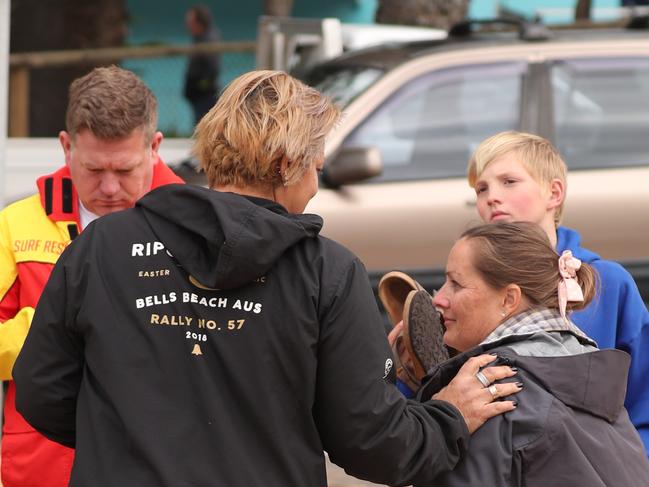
593,382
568,239
223,240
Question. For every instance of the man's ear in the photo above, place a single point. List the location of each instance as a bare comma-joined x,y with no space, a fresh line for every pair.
282,167
65,140
557,193
156,140
512,299
283,164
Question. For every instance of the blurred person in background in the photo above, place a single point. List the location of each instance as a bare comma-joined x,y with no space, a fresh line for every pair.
202,75
222,341
110,147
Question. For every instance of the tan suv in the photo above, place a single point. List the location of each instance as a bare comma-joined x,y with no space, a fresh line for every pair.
394,189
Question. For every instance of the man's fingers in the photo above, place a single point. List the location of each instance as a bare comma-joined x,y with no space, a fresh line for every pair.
498,372
476,398
395,332
474,364
477,416
494,391
491,374
495,408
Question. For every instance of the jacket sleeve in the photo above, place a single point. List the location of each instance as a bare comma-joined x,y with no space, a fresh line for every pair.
632,324
48,371
14,320
617,317
12,336
365,423
492,460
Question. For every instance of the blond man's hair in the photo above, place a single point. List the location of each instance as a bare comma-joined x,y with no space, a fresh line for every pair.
261,119
111,102
541,159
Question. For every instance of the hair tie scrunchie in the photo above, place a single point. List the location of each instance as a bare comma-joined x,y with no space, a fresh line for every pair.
569,289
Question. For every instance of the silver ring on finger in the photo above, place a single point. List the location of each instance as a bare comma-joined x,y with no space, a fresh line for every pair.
482,378
493,390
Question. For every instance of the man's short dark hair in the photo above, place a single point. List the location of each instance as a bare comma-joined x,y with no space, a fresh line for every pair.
111,102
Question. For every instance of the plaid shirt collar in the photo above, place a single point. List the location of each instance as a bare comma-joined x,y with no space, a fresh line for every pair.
534,321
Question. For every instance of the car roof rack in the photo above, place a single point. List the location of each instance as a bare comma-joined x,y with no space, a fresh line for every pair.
527,31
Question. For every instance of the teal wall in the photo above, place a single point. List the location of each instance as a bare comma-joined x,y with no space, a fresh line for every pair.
162,21
554,11
156,21
351,11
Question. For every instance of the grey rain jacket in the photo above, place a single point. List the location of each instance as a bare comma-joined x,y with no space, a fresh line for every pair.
570,427
209,339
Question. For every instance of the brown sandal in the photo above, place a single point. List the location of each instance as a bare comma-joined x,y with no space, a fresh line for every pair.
394,288
420,346
423,332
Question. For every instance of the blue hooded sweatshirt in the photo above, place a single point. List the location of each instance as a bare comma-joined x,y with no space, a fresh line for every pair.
616,318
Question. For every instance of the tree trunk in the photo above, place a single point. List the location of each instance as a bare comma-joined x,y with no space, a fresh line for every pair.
64,24
441,14
279,8
582,10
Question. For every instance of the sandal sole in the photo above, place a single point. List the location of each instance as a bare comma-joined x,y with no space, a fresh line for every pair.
423,332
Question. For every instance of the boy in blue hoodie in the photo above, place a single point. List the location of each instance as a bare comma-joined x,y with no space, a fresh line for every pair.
522,177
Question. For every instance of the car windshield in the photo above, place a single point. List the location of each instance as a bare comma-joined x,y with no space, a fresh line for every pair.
343,83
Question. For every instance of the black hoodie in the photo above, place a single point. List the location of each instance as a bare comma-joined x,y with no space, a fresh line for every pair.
206,338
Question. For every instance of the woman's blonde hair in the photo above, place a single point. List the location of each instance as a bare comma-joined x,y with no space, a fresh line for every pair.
541,159
520,253
261,119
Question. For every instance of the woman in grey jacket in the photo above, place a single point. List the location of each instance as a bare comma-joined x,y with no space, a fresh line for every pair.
508,292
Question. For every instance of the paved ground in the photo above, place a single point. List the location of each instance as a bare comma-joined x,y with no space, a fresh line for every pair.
337,477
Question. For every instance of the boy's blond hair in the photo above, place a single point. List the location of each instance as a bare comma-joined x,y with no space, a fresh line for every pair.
260,119
541,159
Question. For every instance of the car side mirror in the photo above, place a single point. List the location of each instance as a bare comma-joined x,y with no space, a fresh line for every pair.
351,165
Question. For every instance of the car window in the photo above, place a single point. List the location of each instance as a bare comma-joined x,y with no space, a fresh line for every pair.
601,111
343,84
430,126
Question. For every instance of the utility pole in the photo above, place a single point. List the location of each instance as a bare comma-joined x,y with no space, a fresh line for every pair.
5,13
5,23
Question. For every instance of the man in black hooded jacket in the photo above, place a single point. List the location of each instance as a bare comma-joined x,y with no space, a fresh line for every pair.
215,338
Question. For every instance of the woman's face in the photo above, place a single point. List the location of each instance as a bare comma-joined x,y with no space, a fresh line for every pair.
470,307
